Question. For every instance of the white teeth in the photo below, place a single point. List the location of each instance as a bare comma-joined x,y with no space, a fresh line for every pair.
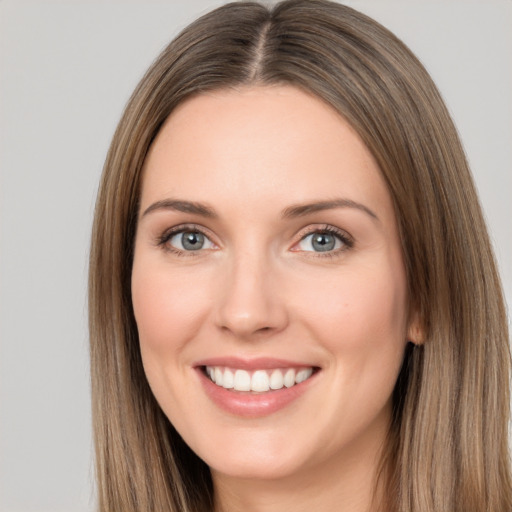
302,375
228,379
218,376
276,380
260,381
289,378
242,381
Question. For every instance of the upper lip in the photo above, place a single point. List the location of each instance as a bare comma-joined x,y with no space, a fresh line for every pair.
258,363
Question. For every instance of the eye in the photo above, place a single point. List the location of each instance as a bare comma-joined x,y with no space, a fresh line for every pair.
189,241
324,241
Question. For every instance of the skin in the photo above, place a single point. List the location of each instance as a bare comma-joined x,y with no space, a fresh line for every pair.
258,288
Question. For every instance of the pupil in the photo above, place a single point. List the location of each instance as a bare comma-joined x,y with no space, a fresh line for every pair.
192,241
323,242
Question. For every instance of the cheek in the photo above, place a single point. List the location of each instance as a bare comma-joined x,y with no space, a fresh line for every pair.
167,306
362,312
360,320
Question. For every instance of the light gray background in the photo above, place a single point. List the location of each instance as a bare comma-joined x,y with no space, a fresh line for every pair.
66,71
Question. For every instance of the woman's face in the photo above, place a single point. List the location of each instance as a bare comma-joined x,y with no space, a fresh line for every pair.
268,284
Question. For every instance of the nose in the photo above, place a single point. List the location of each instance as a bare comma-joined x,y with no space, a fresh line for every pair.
251,303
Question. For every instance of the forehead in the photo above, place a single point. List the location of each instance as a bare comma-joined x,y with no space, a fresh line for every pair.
273,144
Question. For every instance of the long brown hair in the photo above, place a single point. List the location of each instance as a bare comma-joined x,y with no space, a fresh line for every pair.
448,443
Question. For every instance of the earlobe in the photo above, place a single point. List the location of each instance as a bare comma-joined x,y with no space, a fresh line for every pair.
415,331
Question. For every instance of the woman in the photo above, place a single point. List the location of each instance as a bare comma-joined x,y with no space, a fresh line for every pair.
293,300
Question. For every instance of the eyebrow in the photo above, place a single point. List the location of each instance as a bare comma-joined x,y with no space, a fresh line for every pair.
301,210
182,206
293,211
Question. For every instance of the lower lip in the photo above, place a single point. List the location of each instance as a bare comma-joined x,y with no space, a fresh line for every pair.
253,405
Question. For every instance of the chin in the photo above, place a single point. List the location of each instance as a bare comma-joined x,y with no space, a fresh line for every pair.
260,454
257,468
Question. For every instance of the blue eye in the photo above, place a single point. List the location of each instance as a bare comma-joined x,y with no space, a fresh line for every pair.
322,241
189,241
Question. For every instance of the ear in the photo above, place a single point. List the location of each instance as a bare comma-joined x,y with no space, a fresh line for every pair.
415,330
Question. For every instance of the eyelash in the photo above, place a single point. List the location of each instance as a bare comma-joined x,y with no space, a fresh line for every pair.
326,229
183,228
345,238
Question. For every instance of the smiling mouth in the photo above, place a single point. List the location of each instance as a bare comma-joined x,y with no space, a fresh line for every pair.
258,381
